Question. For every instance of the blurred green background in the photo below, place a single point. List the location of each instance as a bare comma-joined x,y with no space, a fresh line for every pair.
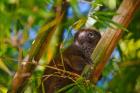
21,20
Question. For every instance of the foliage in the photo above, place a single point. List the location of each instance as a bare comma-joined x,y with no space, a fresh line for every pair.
21,21
81,86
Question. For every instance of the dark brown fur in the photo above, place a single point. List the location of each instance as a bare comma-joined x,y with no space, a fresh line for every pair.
74,58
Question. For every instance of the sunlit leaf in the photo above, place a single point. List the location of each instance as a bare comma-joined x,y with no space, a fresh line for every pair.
4,67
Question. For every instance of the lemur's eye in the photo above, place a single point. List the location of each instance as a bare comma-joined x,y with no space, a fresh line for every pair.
91,35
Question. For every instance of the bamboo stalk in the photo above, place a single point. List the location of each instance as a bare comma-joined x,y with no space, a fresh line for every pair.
26,68
126,11
111,37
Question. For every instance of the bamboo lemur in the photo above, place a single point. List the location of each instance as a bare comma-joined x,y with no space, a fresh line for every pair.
73,59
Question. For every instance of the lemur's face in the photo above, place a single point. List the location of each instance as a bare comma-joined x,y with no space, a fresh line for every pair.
87,37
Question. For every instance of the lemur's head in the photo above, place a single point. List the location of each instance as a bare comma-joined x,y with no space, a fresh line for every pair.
89,37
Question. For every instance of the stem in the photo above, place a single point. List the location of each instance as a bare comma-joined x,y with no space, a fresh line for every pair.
111,37
25,70
126,12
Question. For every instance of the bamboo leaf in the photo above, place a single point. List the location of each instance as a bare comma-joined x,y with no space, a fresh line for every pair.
4,67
